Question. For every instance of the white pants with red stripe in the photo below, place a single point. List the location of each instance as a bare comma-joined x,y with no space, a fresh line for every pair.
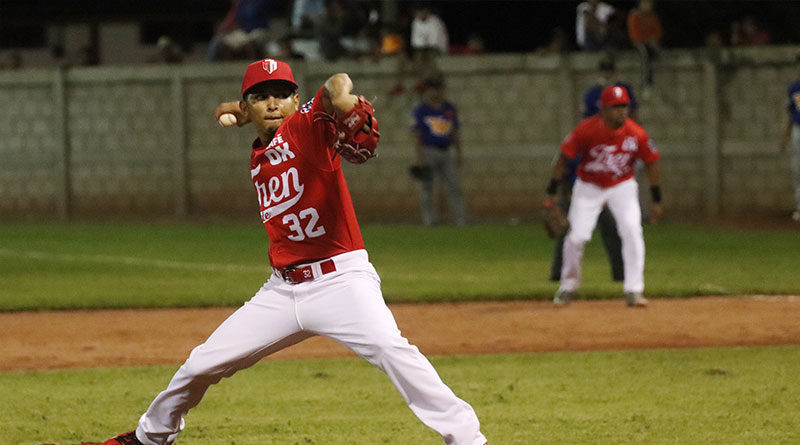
587,203
345,305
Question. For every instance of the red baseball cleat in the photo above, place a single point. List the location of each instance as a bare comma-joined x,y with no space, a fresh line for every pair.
128,438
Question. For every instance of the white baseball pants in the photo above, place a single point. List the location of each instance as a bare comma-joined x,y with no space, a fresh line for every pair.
587,203
345,305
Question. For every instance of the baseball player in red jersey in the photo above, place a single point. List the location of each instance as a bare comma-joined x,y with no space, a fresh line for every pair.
610,143
322,281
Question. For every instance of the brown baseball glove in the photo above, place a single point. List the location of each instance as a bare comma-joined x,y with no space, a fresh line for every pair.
556,223
357,132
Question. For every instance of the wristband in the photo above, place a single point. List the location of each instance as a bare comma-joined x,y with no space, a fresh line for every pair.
655,192
552,188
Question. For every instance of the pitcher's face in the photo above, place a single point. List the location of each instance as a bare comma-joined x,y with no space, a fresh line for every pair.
269,104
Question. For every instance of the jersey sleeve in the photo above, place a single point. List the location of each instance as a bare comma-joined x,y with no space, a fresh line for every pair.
317,135
302,122
648,151
572,144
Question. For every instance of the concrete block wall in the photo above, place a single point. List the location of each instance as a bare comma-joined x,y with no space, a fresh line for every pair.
141,141
28,147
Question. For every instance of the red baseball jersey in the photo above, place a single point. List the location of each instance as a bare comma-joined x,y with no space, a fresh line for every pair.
608,155
304,200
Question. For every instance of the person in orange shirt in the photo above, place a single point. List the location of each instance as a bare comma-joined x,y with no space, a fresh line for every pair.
645,32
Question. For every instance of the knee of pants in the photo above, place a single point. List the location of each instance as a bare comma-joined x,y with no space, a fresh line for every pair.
199,368
198,373
629,230
383,346
576,239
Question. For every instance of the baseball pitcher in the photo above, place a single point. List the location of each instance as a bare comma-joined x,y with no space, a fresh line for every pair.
322,282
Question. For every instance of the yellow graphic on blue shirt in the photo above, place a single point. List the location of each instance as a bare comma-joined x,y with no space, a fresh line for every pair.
796,100
438,125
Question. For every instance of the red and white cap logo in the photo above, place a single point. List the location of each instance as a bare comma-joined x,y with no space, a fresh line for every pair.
269,65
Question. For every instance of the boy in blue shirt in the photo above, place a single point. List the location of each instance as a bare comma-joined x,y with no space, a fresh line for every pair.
436,129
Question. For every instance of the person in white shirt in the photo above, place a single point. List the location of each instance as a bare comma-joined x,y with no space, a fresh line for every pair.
591,24
428,39
428,31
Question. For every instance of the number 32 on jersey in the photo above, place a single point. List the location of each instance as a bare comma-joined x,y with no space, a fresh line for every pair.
303,224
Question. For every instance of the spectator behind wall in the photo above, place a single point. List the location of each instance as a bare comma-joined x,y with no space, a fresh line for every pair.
558,43
428,31
12,62
392,41
474,45
285,50
748,32
304,14
645,32
242,33
713,40
616,32
591,24
329,28
429,39
167,51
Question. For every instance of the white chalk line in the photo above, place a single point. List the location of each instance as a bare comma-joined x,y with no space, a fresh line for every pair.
427,276
129,261
184,265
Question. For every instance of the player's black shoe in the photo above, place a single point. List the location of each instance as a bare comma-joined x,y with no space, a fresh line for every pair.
128,438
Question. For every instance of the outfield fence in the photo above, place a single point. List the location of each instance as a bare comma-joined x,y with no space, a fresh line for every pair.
141,142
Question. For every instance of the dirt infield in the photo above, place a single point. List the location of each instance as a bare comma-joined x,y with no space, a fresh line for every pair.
79,339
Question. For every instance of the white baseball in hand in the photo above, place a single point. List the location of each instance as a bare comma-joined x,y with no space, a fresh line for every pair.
227,120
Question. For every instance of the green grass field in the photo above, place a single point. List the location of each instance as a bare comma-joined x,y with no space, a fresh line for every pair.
708,396
698,396
64,266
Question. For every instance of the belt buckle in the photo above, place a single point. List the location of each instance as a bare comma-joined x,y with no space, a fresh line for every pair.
286,273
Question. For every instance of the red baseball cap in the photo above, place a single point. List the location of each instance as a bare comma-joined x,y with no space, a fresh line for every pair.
266,70
614,95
